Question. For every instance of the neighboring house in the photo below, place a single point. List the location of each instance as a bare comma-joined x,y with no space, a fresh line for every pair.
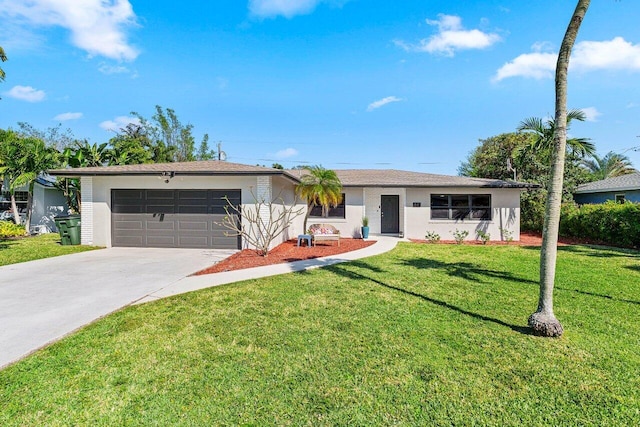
619,189
48,202
182,204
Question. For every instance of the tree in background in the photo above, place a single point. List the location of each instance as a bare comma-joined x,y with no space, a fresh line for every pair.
319,187
543,321
544,132
171,141
508,154
204,152
3,58
55,137
609,166
23,160
132,146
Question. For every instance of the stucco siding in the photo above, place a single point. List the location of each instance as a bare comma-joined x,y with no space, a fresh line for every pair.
505,205
372,199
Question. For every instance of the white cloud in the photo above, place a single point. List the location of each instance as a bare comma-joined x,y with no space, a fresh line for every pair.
286,8
591,114
26,93
113,69
615,54
96,26
451,37
68,116
286,153
118,123
384,101
536,65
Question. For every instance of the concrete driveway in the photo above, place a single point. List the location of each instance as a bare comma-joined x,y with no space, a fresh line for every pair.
42,301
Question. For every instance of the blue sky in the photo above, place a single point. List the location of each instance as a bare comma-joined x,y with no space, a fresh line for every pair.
343,83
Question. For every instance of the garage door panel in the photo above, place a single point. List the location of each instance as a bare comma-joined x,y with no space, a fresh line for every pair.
131,241
122,223
161,226
171,218
161,241
194,225
195,241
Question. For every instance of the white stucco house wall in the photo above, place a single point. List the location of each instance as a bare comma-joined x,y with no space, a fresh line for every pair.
48,202
182,204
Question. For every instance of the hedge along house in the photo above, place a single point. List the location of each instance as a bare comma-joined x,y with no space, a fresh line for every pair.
409,204
182,204
619,189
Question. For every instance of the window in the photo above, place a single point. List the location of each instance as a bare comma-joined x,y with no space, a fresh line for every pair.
337,211
461,206
620,198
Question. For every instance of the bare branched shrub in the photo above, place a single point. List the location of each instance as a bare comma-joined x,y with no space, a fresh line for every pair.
260,226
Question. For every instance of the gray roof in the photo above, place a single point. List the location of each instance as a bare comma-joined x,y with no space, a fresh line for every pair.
348,177
618,183
400,178
208,167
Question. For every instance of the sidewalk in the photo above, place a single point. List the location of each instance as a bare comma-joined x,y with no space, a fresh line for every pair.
193,283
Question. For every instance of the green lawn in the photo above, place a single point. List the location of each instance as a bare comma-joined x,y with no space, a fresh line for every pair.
13,251
423,335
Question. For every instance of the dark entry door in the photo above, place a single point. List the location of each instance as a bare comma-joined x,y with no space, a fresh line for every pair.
390,214
172,218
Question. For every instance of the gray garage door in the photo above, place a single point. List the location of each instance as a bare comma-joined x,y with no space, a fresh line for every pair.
171,218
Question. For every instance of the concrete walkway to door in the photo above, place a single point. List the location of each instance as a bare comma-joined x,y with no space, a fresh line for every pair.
44,300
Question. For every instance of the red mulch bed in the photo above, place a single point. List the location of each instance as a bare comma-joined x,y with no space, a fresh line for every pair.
285,252
289,251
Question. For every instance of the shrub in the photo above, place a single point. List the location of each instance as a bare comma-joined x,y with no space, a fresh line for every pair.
507,235
10,229
483,236
432,237
612,223
460,235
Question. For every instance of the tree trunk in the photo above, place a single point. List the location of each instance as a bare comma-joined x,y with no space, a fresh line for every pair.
27,218
14,208
306,217
543,321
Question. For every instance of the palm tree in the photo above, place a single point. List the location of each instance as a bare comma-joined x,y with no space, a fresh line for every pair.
23,159
319,187
543,321
609,166
3,58
545,131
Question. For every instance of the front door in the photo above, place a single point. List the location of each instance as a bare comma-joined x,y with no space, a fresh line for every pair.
390,214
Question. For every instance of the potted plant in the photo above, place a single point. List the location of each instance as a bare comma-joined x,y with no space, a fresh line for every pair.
365,228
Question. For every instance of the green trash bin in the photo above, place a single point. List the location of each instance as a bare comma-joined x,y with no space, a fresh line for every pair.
69,229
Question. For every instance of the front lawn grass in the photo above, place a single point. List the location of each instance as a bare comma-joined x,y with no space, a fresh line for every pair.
17,250
423,335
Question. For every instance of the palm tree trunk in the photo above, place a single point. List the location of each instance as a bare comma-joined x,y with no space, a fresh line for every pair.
27,220
543,321
14,209
306,217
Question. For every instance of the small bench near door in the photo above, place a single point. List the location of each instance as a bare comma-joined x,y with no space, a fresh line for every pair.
324,232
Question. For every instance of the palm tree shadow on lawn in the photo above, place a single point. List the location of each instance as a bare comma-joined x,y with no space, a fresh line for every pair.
474,273
342,271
